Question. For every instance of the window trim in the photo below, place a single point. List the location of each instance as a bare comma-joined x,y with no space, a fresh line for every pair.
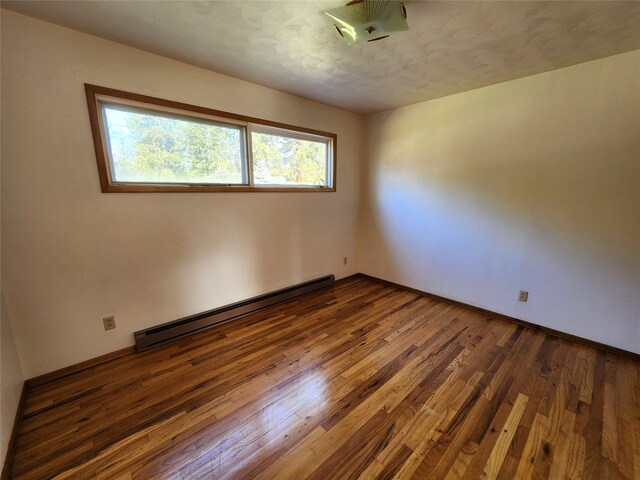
96,94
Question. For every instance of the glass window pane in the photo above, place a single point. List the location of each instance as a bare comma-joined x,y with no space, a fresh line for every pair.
153,148
281,160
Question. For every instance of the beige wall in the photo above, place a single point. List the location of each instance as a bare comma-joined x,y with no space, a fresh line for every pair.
73,255
11,380
532,184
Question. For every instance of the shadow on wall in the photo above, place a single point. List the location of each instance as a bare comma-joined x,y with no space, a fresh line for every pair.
484,193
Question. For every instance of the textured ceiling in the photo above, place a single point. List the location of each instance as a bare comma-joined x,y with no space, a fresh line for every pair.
450,47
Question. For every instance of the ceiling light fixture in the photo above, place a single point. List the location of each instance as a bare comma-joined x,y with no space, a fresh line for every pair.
369,20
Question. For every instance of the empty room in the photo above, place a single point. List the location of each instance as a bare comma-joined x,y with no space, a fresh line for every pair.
320,239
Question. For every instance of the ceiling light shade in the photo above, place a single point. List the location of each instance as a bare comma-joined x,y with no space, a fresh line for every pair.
369,20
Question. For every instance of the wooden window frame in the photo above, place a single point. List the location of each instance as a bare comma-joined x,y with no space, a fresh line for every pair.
96,94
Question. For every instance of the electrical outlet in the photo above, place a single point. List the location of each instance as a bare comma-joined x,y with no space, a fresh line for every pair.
344,261
109,322
524,296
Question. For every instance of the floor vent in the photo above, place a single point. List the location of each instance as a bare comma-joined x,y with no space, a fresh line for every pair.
167,332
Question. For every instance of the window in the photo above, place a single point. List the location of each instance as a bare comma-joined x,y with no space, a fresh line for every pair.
283,157
145,144
147,147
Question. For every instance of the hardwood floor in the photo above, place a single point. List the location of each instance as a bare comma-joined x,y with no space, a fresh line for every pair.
361,381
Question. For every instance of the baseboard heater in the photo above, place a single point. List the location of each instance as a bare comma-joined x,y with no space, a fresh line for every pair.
167,332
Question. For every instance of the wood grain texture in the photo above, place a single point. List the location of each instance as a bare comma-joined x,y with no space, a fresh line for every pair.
364,380
11,446
517,321
78,367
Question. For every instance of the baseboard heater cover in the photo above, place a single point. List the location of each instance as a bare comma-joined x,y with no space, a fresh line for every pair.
167,332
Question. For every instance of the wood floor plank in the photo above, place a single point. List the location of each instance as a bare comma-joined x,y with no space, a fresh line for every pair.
363,380
499,452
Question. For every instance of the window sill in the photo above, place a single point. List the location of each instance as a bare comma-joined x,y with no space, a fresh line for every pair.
137,188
